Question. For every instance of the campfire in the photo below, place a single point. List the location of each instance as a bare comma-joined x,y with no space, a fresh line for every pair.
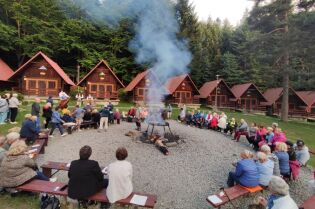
156,118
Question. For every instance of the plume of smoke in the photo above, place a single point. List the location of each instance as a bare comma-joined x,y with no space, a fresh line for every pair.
155,41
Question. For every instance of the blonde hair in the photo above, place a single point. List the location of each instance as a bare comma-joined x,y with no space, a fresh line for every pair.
33,117
17,148
281,146
15,95
13,136
269,129
278,186
242,120
266,149
262,157
28,116
246,154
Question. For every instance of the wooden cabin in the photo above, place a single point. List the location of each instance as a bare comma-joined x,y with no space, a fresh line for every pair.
247,97
41,76
217,89
309,98
101,82
5,73
297,105
182,90
139,86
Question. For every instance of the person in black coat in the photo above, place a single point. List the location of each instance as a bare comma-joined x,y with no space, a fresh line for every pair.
85,176
47,114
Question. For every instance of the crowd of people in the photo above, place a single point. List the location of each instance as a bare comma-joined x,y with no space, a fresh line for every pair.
9,105
276,161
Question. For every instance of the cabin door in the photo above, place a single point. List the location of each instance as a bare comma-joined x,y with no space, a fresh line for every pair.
101,91
42,88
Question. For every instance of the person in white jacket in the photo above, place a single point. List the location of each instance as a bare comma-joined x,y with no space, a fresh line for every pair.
302,152
119,177
279,197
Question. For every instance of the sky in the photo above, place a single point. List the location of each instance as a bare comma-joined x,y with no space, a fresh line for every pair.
232,10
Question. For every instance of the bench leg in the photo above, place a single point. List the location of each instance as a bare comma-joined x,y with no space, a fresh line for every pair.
47,172
42,151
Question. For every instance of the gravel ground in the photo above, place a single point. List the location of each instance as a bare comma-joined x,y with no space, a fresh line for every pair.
182,180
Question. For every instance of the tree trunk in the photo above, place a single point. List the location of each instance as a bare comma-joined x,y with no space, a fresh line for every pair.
285,78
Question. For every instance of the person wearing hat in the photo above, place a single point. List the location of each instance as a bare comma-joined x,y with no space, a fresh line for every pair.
302,152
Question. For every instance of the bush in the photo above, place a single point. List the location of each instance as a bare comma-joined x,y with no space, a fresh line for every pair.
74,90
123,96
25,103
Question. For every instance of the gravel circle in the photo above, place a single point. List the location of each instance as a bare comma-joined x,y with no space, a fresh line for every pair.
192,171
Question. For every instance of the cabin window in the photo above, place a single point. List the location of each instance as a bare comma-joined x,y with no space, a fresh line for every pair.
32,84
94,88
51,84
187,94
178,94
109,88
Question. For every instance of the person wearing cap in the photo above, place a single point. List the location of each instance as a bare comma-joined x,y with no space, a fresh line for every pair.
302,152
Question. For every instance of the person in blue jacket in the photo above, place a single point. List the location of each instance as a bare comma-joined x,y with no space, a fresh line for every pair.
246,172
56,122
281,151
29,130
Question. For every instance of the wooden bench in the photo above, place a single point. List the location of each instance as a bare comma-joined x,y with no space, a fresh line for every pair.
88,124
233,193
49,166
309,203
58,188
39,145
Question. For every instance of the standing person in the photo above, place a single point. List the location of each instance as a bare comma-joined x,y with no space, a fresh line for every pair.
104,118
51,101
56,123
169,111
79,98
138,119
13,105
47,114
29,130
85,176
36,112
78,114
117,116
4,109
64,99
119,177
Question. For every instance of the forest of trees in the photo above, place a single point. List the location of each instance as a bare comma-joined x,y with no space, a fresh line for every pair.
274,42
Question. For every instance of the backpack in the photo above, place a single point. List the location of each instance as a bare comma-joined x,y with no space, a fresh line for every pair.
49,202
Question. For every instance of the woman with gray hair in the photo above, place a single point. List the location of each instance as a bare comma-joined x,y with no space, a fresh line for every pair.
266,149
279,197
265,168
13,105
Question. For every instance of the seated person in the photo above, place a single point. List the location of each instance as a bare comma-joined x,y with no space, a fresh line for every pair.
85,176
29,130
189,118
208,118
222,122
117,116
214,122
119,177
17,168
67,118
246,172
271,156
265,168
252,133
291,151
182,115
302,153
87,116
88,106
96,117
260,137
279,197
281,152
242,129
5,143
279,136
230,127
